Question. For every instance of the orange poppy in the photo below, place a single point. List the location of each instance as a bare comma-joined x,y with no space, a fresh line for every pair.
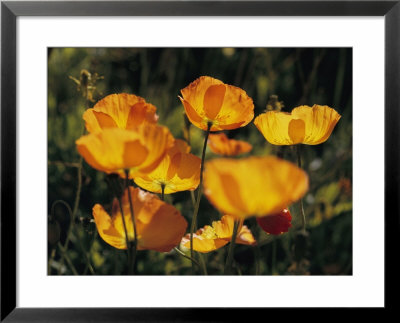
220,144
178,171
208,100
115,150
159,225
218,235
253,186
126,111
276,223
304,125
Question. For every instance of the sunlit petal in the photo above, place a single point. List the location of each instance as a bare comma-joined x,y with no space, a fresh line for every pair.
208,100
253,186
304,125
159,226
222,145
125,111
178,171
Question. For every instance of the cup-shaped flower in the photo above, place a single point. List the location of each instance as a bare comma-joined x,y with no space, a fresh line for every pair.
210,238
178,171
125,111
304,125
159,225
253,186
220,144
115,150
208,100
276,223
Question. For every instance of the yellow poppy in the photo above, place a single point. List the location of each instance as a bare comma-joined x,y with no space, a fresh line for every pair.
218,235
159,226
114,150
208,100
222,145
304,125
178,171
125,111
253,186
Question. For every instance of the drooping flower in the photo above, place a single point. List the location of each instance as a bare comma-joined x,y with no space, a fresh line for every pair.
220,144
125,111
115,150
178,171
208,100
276,223
159,225
218,235
304,125
254,186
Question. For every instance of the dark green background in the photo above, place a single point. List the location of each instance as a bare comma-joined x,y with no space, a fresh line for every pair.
297,75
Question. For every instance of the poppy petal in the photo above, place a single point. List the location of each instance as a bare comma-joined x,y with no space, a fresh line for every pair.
125,111
213,99
222,145
253,186
305,125
106,228
209,100
276,223
159,226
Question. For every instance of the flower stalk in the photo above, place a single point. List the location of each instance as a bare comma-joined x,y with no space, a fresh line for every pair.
229,259
199,191
134,248
128,244
303,215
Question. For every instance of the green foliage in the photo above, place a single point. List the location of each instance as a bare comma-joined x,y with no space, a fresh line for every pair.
296,75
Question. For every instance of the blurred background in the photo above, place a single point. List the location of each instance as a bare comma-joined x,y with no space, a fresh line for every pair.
295,75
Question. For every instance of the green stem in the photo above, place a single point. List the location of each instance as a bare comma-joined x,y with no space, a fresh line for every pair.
303,215
186,256
193,198
88,264
229,258
53,253
199,191
203,264
128,245
133,221
273,262
66,257
89,252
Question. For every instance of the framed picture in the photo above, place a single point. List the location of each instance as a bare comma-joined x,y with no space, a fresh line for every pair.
316,84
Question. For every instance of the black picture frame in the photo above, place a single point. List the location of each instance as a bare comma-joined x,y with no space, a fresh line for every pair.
10,10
